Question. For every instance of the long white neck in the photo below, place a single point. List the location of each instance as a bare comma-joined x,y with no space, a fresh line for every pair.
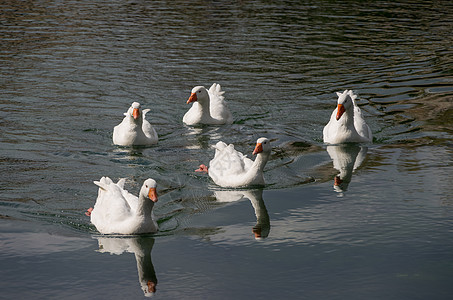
348,117
260,161
205,109
346,124
145,206
255,173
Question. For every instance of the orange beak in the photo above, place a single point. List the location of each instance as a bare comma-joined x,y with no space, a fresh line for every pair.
340,111
192,98
152,194
258,148
136,113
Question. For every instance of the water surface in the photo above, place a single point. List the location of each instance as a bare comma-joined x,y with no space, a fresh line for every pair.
68,71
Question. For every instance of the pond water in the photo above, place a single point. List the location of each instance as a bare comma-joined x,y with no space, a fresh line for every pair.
70,69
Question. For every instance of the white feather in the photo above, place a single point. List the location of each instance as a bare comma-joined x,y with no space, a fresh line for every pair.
131,132
231,168
351,127
210,107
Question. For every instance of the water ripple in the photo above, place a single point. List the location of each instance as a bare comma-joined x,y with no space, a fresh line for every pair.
69,71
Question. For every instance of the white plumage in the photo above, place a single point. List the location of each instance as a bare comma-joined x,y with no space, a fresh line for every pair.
134,130
347,124
117,211
230,168
209,107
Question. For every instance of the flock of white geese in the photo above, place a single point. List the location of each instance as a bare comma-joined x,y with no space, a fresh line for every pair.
117,211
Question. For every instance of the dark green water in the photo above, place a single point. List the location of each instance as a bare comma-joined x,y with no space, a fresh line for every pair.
69,69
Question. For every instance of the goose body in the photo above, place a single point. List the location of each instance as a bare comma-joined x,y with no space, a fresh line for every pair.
230,168
347,124
134,130
117,211
209,107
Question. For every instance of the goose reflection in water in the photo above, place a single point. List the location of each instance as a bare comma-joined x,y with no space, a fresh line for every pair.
200,137
346,159
262,227
141,247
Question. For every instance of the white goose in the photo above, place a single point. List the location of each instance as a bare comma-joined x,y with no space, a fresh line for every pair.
118,211
134,130
209,107
230,168
347,124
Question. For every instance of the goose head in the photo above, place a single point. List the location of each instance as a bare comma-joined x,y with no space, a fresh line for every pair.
200,94
148,189
263,145
134,111
344,103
